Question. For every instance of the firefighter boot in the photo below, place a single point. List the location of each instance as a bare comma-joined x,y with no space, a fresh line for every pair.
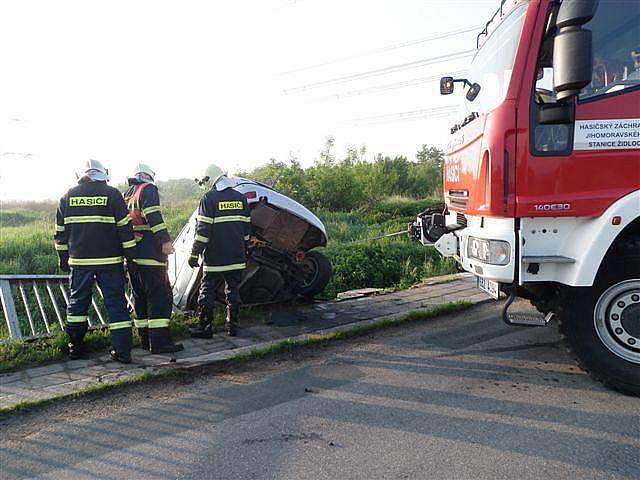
205,328
160,341
232,321
122,357
75,345
143,333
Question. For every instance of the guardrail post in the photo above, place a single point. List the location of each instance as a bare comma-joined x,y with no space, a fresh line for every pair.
9,308
55,304
27,307
41,307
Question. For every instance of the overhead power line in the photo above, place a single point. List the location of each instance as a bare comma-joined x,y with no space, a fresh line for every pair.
395,46
382,71
389,86
424,113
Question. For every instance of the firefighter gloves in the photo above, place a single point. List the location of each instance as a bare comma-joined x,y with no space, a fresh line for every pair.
194,261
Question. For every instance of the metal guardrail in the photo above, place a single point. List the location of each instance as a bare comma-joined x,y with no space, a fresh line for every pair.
34,306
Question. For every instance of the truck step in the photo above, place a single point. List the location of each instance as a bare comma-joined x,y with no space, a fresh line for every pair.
523,318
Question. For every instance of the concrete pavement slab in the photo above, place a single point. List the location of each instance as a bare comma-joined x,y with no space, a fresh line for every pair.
298,322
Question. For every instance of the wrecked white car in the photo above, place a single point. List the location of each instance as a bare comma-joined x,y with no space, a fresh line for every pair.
281,263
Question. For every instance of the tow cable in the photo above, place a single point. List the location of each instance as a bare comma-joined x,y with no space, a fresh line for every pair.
380,237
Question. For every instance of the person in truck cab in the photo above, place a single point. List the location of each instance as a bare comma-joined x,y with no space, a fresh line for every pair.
93,237
152,297
222,233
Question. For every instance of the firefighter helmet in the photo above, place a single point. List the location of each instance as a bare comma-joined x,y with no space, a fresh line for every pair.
94,170
213,173
215,177
142,169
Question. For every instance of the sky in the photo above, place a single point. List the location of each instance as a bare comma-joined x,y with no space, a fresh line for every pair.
182,84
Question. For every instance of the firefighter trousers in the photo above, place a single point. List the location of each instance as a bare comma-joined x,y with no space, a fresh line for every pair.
112,285
153,302
212,281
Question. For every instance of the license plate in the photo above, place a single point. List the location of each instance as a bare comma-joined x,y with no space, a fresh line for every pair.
490,287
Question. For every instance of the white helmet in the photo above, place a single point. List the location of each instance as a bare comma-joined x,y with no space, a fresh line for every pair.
94,170
142,172
216,177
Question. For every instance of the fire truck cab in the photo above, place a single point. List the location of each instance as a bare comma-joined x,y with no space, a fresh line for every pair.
542,175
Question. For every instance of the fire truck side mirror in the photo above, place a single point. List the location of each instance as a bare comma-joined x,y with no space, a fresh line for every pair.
446,85
473,92
573,48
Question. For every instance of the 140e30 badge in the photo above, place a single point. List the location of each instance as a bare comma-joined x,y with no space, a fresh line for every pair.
551,207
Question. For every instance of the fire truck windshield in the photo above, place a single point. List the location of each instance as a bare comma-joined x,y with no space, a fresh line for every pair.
493,63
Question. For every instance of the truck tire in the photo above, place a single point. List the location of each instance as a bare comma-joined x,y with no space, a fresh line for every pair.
318,271
600,325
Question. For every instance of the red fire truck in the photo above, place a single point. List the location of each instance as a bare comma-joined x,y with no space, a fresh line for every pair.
542,175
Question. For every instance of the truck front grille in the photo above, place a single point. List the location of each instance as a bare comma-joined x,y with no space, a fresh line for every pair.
461,219
459,202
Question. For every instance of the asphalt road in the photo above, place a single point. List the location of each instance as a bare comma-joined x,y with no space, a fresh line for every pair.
462,397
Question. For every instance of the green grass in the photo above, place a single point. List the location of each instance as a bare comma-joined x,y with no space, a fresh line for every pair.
396,262
16,354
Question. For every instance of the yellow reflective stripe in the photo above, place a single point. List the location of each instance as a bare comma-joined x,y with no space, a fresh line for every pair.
61,247
59,228
202,239
141,323
149,262
202,218
142,228
232,218
95,261
158,227
150,210
247,237
129,243
119,325
76,318
225,268
158,322
124,221
89,219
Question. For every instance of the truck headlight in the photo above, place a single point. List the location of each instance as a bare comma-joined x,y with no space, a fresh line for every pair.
493,252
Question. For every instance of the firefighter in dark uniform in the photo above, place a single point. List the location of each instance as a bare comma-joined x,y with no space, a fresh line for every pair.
153,299
222,234
93,237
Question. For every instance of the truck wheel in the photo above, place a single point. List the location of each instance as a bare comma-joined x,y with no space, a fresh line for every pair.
317,273
601,325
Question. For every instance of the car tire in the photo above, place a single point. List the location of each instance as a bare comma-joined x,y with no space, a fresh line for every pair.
600,325
318,272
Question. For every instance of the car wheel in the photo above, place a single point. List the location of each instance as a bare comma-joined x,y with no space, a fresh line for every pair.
317,271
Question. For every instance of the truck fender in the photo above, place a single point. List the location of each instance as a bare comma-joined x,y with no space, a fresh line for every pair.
574,247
